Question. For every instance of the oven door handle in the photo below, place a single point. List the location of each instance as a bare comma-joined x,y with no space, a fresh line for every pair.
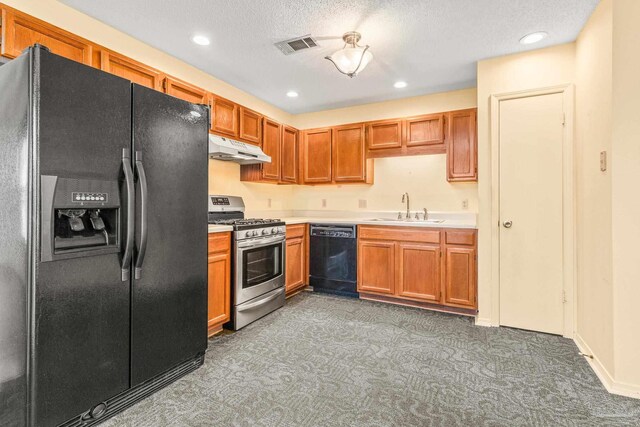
253,305
254,244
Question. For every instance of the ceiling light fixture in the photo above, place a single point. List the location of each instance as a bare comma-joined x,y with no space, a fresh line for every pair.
533,37
201,40
292,94
400,85
351,59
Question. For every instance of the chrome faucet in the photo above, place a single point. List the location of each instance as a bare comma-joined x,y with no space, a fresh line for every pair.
405,196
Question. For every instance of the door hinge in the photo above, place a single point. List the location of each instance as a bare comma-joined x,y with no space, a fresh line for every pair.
564,296
564,118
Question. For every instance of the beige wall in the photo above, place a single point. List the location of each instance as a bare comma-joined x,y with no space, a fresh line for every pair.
593,134
424,177
625,176
530,70
91,29
224,178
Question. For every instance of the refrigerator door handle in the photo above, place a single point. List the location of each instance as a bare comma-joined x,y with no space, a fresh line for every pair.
128,249
144,198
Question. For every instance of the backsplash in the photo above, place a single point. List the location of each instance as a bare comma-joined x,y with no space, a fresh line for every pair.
423,177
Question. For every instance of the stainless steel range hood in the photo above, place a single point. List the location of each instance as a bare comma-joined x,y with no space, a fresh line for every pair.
221,148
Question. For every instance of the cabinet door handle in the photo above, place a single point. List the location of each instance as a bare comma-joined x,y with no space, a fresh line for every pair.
507,224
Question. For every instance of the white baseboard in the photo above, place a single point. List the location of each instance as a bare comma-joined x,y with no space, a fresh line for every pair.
483,322
612,386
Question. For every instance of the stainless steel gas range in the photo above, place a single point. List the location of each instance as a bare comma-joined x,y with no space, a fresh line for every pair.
258,259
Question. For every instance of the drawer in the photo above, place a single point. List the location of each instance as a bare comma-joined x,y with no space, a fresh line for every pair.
219,242
460,237
400,234
297,230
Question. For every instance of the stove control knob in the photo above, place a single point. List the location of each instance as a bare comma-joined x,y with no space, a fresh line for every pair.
247,234
274,230
255,233
265,232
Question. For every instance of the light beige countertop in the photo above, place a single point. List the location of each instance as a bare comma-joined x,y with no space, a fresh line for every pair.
386,218
446,223
213,228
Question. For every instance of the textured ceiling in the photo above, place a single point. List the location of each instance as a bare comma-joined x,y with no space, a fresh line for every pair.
433,45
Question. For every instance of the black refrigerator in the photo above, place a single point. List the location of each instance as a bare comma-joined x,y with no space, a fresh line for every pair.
103,250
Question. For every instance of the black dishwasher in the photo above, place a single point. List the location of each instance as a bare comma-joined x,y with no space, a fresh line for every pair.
333,259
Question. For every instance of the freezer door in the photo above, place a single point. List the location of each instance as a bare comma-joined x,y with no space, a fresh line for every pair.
169,294
14,245
80,303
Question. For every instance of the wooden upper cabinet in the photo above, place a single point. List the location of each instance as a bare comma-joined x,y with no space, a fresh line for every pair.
384,134
20,31
316,156
289,155
424,130
419,271
224,116
271,141
376,266
130,69
184,91
462,149
250,126
348,152
460,277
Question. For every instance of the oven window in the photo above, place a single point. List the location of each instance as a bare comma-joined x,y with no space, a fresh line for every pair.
260,265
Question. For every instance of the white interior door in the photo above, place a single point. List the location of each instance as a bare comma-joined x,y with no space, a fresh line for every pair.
531,217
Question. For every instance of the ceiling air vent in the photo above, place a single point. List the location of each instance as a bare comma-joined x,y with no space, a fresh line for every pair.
296,45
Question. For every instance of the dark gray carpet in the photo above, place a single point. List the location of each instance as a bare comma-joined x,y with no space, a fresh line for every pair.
328,361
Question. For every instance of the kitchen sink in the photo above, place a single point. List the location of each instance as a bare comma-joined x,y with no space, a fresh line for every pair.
418,221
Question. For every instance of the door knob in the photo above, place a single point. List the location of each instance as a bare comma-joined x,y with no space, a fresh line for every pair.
507,224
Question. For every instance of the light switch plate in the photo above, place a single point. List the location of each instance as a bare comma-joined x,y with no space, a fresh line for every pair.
603,161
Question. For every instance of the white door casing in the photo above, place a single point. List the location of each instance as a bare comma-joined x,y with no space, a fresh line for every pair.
533,264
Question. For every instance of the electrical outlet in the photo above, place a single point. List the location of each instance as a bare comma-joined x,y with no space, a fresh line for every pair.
362,204
465,204
324,203
268,203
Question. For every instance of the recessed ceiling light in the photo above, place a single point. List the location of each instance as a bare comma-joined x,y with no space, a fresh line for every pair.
533,37
201,40
292,94
400,85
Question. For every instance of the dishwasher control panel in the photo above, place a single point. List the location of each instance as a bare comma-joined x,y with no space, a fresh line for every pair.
331,230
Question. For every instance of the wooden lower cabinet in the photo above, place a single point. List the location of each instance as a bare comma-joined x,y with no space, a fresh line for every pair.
431,266
297,250
376,266
419,267
460,277
219,281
